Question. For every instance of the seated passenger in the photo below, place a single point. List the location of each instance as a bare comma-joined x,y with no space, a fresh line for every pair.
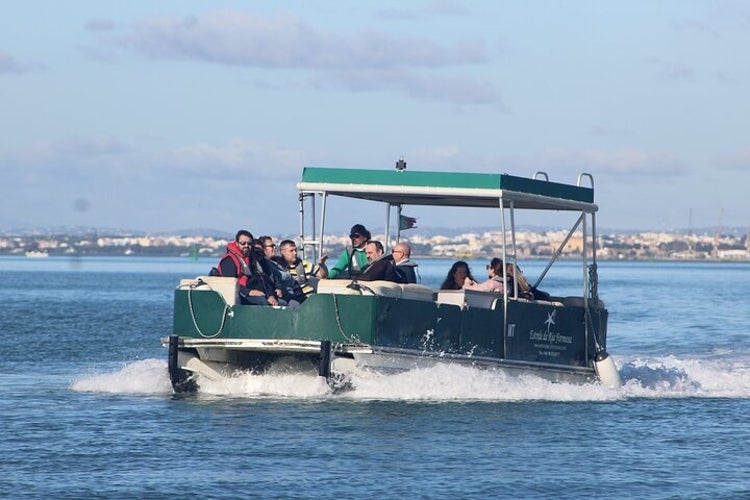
288,289
405,267
458,276
379,268
255,287
495,281
301,270
525,290
353,259
265,249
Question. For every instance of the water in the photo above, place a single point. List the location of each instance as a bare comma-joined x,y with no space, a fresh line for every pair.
87,411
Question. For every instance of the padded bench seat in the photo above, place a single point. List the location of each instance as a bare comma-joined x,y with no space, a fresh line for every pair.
410,291
469,298
225,286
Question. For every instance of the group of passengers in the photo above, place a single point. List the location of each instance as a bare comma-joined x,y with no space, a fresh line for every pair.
265,278
460,278
366,260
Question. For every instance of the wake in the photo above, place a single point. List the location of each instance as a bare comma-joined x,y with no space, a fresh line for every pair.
725,376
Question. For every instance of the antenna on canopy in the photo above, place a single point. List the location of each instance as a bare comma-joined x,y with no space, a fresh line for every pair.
400,164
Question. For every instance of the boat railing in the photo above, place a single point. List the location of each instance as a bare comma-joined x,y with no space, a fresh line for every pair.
585,175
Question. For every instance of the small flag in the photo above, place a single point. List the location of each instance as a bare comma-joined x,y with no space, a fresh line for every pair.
405,222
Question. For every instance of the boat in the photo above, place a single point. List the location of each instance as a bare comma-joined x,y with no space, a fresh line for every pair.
37,254
352,326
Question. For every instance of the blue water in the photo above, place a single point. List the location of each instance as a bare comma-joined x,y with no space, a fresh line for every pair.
87,411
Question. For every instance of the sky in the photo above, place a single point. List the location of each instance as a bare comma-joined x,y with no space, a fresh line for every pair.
158,116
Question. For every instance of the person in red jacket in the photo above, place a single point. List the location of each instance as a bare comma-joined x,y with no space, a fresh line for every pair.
256,287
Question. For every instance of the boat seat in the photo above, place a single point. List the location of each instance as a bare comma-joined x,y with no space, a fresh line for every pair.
225,286
415,291
469,298
353,287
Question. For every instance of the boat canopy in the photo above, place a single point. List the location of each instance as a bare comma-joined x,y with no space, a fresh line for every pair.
403,187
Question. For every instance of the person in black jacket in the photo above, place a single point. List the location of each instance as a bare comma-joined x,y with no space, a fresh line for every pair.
379,267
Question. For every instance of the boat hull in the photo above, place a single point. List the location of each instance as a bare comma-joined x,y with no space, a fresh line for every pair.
370,331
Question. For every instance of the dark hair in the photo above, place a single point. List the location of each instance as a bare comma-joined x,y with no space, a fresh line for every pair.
360,229
287,243
264,239
496,264
449,283
243,232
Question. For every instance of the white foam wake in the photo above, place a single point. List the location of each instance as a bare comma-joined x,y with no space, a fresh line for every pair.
643,377
671,376
148,376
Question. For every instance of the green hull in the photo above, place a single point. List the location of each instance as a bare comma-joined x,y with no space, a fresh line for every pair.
545,335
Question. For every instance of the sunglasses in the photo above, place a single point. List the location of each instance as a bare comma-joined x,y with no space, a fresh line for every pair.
352,236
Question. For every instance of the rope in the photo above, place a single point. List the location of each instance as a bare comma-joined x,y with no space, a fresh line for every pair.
227,307
593,297
353,339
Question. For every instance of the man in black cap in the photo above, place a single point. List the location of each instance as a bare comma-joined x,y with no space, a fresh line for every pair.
353,259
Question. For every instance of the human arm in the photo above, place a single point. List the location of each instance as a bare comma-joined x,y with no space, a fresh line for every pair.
340,266
486,286
321,270
228,267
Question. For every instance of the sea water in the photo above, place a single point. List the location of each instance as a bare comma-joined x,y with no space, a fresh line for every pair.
86,408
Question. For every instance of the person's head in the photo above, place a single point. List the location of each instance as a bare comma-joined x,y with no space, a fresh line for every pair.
359,235
514,272
288,250
459,271
400,251
244,241
268,246
374,250
495,267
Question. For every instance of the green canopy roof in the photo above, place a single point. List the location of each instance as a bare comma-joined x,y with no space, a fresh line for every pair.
408,187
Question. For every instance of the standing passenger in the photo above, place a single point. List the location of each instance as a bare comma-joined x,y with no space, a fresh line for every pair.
352,260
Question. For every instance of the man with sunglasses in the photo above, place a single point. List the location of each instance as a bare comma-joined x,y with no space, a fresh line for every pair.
256,287
401,253
353,259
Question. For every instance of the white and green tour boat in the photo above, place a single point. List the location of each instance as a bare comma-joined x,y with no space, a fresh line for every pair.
349,327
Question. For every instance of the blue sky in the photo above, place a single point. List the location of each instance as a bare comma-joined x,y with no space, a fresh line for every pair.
181,114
